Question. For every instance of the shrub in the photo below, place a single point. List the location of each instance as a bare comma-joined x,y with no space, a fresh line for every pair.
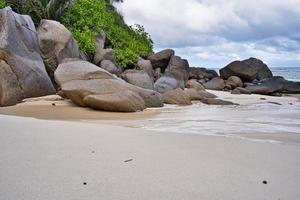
2,4
39,9
87,18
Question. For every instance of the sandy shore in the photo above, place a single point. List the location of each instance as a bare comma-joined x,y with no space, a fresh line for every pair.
67,160
148,155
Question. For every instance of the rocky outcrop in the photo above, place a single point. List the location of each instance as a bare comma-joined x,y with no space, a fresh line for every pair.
176,75
215,84
177,96
56,44
88,85
200,73
138,78
291,87
194,84
161,59
247,70
22,71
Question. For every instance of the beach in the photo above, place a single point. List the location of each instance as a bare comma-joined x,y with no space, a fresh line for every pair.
47,154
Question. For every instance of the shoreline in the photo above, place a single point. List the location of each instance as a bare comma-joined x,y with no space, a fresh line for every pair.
55,108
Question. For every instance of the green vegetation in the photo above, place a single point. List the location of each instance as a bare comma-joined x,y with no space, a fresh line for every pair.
87,18
39,9
2,4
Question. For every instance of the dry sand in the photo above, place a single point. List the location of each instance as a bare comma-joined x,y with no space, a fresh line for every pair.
52,160
63,160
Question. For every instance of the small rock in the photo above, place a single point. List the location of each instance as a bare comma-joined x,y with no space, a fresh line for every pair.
265,182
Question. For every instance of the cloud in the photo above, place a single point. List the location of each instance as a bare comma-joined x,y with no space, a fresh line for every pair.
215,32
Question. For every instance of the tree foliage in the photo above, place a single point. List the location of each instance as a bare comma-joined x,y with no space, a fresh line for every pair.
87,18
40,9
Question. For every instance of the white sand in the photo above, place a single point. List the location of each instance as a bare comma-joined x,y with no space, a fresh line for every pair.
47,160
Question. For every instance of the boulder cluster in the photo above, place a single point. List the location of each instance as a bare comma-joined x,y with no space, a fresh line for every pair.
47,60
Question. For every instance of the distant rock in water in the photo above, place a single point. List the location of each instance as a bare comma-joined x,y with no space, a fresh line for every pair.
248,70
22,70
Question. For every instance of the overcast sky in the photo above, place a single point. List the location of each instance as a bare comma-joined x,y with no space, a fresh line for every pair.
212,33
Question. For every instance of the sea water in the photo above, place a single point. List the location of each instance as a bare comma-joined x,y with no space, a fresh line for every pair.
291,73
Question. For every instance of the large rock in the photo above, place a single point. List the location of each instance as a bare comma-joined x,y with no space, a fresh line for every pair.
138,78
22,71
166,83
176,75
233,82
56,44
194,84
177,96
291,87
80,79
196,95
102,53
267,86
215,84
124,101
247,70
111,67
161,59
146,66
202,73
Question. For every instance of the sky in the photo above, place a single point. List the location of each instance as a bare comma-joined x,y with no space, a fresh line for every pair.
212,33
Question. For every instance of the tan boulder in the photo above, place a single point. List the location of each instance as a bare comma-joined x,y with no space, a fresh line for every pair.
194,84
126,101
177,96
138,78
196,95
56,43
79,79
215,84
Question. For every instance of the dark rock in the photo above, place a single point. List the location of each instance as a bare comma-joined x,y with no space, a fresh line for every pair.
268,86
161,59
291,87
177,96
247,70
157,74
22,71
210,101
215,84
138,78
202,73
